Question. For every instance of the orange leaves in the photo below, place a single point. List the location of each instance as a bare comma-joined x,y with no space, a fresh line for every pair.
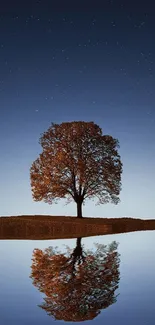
77,162
78,285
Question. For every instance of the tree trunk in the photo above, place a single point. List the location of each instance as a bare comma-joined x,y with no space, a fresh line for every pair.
79,209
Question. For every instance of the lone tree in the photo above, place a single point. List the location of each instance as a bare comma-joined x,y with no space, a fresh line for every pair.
77,162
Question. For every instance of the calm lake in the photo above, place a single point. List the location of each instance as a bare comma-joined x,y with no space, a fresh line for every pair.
106,280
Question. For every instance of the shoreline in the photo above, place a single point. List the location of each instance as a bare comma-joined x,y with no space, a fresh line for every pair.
43,227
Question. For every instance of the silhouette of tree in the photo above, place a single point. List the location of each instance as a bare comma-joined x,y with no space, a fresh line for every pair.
77,285
77,162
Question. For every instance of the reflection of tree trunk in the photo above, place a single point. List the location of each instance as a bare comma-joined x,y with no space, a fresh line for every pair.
77,255
77,252
79,209
78,243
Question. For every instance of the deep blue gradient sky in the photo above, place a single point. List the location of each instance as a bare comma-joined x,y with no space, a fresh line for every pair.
84,62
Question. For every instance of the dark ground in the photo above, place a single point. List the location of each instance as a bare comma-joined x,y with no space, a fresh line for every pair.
57,227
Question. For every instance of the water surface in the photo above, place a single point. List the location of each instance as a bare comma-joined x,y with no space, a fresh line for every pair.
108,279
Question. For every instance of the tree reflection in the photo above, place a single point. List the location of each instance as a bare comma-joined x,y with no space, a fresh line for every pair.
78,284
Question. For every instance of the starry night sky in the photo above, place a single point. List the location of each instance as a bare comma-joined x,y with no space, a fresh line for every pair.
62,61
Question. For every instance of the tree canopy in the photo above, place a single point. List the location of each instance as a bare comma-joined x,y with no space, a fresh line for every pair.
77,162
79,284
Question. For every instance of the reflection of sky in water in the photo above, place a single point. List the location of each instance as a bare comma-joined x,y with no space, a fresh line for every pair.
135,304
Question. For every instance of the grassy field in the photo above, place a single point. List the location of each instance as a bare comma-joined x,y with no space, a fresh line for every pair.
57,227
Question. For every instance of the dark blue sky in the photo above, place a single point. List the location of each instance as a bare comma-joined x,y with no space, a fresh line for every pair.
61,61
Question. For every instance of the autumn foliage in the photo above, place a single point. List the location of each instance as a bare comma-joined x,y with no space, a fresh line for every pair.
77,285
77,162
